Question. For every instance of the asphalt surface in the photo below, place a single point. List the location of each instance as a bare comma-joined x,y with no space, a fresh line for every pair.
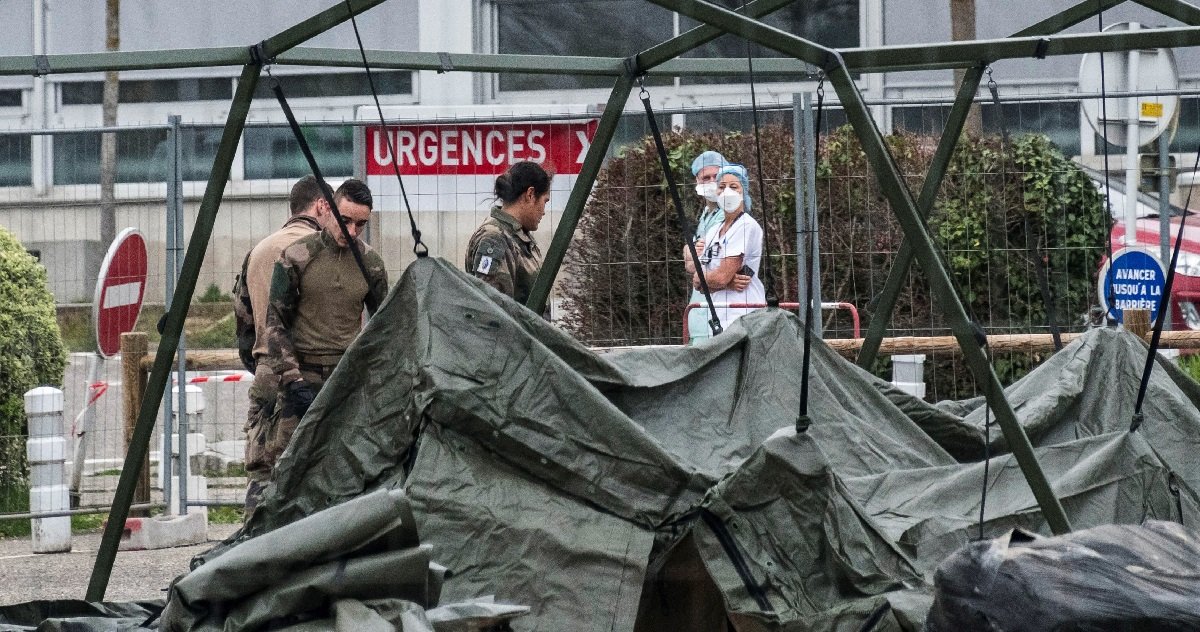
27,576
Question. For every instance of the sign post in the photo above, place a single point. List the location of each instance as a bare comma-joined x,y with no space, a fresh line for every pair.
120,287
1132,279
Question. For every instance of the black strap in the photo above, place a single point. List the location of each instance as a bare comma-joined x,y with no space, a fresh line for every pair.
729,545
326,192
714,323
1039,267
419,247
1163,306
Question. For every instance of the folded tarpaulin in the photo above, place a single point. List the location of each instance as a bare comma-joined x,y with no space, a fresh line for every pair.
358,564
74,615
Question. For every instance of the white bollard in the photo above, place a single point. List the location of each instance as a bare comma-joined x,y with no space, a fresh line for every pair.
908,373
197,486
47,452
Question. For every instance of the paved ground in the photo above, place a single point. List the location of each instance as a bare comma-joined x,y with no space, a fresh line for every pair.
26,576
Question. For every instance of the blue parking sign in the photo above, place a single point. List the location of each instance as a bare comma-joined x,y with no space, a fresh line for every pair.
1133,279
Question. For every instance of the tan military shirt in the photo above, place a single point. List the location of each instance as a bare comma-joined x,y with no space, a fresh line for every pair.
254,285
317,297
504,255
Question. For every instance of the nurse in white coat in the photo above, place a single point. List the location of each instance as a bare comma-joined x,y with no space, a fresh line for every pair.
732,247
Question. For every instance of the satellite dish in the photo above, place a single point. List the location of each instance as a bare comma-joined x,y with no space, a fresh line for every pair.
1153,69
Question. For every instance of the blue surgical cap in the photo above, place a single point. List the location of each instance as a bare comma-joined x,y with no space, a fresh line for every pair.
707,159
742,176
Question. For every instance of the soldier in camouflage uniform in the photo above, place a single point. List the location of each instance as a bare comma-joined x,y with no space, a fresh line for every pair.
315,310
502,251
250,291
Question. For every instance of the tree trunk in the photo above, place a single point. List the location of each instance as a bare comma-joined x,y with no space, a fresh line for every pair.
108,141
962,28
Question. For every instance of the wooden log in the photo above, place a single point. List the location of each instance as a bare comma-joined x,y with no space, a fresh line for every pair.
204,360
134,348
228,360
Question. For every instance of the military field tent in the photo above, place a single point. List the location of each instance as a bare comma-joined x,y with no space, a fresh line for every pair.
615,491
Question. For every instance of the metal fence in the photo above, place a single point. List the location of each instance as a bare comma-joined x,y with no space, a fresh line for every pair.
623,282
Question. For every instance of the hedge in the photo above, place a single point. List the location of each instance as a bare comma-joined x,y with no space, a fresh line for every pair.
31,355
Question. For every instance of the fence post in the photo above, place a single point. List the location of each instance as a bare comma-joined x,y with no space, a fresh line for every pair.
807,246
134,347
1137,321
47,451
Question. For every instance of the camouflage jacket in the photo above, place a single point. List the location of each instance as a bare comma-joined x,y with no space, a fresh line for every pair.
316,302
253,285
504,255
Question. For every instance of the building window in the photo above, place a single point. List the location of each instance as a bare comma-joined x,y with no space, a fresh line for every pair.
15,165
620,28
603,28
272,152
832,23
10,98
1058,120
149,91
142,155
337,84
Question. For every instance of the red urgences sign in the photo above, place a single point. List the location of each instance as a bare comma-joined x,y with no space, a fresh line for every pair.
478,149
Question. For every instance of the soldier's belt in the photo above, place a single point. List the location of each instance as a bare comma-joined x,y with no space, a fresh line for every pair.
323,359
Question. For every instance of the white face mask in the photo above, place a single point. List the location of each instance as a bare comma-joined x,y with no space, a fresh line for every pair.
729,200
707,190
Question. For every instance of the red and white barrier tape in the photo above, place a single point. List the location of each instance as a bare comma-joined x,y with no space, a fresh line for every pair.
244,376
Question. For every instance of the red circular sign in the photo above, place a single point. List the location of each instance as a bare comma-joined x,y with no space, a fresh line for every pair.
119,290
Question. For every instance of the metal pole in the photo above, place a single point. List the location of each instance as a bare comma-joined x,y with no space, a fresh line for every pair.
805,156
83,427
173,328
1164,214
180,390
1133,168
174,248
1164,198
569,219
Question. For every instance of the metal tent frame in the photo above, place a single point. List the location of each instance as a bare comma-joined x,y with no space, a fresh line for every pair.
1037,41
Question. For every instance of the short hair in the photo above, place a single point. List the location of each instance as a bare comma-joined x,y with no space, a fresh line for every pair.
304,193
356,191
512,184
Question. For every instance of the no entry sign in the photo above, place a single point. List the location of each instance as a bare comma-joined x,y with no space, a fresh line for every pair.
1132,279
119,290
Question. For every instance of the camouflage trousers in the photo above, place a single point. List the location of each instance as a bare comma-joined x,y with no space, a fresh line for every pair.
268,431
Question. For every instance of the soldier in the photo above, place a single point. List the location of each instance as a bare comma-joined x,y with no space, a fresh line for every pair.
502,251
308,209
315,311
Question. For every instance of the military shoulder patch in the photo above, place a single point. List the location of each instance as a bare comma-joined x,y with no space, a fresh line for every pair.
485,265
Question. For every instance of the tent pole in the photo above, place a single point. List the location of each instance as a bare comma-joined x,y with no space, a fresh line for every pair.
160,373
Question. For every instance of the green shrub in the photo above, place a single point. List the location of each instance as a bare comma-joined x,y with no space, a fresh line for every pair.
213,294
627,285
31,355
